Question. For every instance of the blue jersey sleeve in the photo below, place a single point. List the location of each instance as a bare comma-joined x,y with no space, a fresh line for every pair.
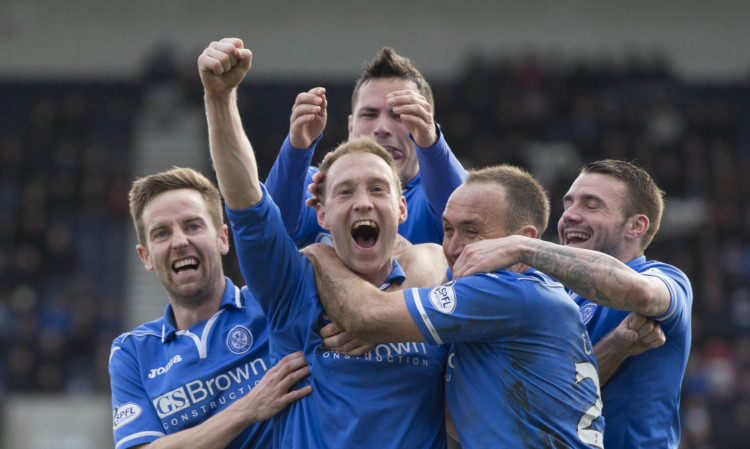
441,172
309,230
134,419
273,268
680,291
475,308
286,182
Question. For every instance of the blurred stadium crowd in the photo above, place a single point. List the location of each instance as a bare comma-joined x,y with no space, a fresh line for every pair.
66,165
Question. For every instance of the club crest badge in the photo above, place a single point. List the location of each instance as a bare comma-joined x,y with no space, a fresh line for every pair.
239,339
587,311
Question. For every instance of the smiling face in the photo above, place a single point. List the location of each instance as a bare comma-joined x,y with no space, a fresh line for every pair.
362,210
475,211
184,247
372,116
593,217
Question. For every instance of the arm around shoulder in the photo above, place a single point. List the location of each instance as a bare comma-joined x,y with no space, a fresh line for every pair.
364,311
599,277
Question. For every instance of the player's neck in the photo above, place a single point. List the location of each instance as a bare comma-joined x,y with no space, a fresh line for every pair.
378,278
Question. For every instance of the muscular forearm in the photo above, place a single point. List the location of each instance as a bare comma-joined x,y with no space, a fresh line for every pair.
356,305
595,276
214,433
608,357
231,152
337,287
266,399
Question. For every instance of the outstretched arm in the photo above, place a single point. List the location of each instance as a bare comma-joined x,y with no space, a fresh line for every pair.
595,276
634,335
365,312
265,400
222,67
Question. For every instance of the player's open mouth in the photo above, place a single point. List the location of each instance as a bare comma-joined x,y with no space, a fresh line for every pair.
365,233
188,264
576,237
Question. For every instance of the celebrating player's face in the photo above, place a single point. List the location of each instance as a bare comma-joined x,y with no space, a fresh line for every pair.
475,211
362,212
184,247
593,217
372,116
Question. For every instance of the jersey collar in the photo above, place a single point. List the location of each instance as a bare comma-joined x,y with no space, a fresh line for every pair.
413,183
640,260
232,298
397,276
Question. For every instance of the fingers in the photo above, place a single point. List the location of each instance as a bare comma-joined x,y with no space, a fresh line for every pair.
290,363
337,341
220,57
655,337
468,262
342,342
307,104
290,370
636,321
330,330
296,394
411,106
313,188
410,98
360,350
649,330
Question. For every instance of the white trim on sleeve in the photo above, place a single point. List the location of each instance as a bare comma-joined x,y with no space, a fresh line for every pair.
423,314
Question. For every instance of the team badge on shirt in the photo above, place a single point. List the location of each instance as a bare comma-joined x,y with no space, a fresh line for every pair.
125,413
443,297
587,311
239,340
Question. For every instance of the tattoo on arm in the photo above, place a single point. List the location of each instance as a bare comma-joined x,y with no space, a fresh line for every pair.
596,276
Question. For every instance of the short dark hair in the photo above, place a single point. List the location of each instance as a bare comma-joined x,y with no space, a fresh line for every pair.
146,188
389,64
527,202
643,195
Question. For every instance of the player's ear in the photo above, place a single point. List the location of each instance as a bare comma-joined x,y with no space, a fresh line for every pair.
320,211
145,258
638,226
224,240
403,211
528,231
350,126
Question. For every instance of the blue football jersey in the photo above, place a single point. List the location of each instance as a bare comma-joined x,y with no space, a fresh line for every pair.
522,372
391,397
165,380
648,384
